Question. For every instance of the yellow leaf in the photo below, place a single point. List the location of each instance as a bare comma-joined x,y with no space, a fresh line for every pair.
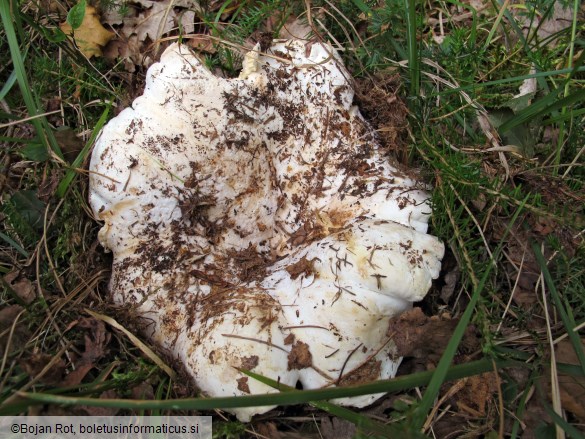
91,36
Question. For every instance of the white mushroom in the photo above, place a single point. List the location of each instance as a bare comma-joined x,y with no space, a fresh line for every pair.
255,224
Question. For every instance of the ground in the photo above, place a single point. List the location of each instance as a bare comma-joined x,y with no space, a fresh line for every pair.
484,100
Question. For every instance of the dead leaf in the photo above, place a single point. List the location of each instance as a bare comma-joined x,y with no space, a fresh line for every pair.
34,365
145,22
524,298
48,186
91,36
424,337
559,20
534,418
572,387
143,391
21,286
187,20
95,348
295,28
335,428
70,144
102,411
155,21
268,430
529,86
544,226
20,334
202,43
477,393
128,51
302,267
451,279
479,202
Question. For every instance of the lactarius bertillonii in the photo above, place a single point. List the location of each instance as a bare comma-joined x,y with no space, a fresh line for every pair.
255,224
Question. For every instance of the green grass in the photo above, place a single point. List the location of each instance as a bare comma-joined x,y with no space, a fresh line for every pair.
507,176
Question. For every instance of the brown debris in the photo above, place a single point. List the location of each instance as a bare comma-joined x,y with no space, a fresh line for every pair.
248,263
366,373
300,357
250,362
424,338
302,267
290,339
381,106
306,234
243,384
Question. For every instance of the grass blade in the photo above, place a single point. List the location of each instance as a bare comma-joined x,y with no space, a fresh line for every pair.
71,172
8,85
135,340
542,107
289,398
413,56
41,125
571,431
14,244
537,75
349,415
569,324
420,413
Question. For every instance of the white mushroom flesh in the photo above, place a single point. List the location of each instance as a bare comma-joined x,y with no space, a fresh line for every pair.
255,223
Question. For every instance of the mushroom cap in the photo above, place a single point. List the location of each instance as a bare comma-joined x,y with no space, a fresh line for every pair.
255,223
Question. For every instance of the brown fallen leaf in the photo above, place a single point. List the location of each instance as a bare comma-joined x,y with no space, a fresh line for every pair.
48,186
477,393
143,390
20,334
524,298
21,286
36,363
102,411
451,279
335,428
202,43
425,338
572,387
127,50
555,22
295,28
268,430
157,19
91,36
145,22
70,144
95,348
